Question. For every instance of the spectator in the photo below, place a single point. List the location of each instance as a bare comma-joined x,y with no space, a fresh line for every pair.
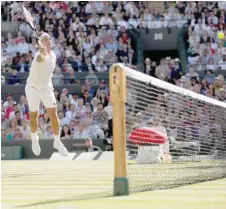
101,67
222,95
71,113
192,74
222,63
23,46
86,97
58,77
4,121
71,79
65,132
91,78
82,132
88,65
94,103
11,129
103,98
106,20
81,107
12,114
17,133
14,78
90,147
108,109
48,134
65,96
110,58
62,119
25,130
57,95
162,70
90,89
101,117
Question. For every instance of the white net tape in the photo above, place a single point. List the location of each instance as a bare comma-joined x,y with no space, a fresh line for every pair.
195,128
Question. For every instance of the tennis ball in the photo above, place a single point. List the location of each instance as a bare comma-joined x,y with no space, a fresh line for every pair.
221,36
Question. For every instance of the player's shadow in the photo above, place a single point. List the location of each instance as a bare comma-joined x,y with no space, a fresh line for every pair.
87,196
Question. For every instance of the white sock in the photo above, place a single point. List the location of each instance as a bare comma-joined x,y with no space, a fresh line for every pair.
34,135
57,137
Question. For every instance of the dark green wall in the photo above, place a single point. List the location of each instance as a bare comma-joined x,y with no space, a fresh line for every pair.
47,146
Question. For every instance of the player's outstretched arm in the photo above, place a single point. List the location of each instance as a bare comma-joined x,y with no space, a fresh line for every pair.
41,57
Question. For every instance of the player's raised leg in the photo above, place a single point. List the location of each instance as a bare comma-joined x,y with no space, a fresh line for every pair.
49,102
55,125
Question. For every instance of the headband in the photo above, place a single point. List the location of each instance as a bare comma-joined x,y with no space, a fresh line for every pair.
41,37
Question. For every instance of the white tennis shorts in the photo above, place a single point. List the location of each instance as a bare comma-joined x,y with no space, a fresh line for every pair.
35,96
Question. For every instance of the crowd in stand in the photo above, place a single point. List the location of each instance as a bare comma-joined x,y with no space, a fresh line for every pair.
81,115
206,52
89,37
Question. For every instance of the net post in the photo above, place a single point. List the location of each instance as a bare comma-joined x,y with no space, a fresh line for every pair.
118,98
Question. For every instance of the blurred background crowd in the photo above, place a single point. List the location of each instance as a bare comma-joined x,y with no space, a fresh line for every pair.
88,37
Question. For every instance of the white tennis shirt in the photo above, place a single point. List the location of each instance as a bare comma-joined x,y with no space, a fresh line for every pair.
40,76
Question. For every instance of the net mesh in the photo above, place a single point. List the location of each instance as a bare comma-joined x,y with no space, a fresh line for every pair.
195,126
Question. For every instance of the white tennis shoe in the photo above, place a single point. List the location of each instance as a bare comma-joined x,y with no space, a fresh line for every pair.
57,144
35,145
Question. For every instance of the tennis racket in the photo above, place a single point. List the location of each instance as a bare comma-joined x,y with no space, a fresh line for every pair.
30,20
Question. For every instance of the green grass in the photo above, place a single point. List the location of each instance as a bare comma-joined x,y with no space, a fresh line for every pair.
89,185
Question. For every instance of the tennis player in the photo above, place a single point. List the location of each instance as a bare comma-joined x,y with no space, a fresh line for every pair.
39,88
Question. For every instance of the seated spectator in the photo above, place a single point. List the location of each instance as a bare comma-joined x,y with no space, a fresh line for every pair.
90,89
222,95
192,74
101,117
103,98
74,100
23,46
62,119
65,132
65,96
86,97
109,110
58,77
222,63
57,95
25,130
14,78
110,58
48,134
81,107
90,147
217,85
12,114
94,103
71,113
88,65
71,79
101,67
91,78
17,133
105,20
94,20
3,133
83,131
10,131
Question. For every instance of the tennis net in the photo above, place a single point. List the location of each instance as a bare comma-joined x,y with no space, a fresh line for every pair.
174,136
